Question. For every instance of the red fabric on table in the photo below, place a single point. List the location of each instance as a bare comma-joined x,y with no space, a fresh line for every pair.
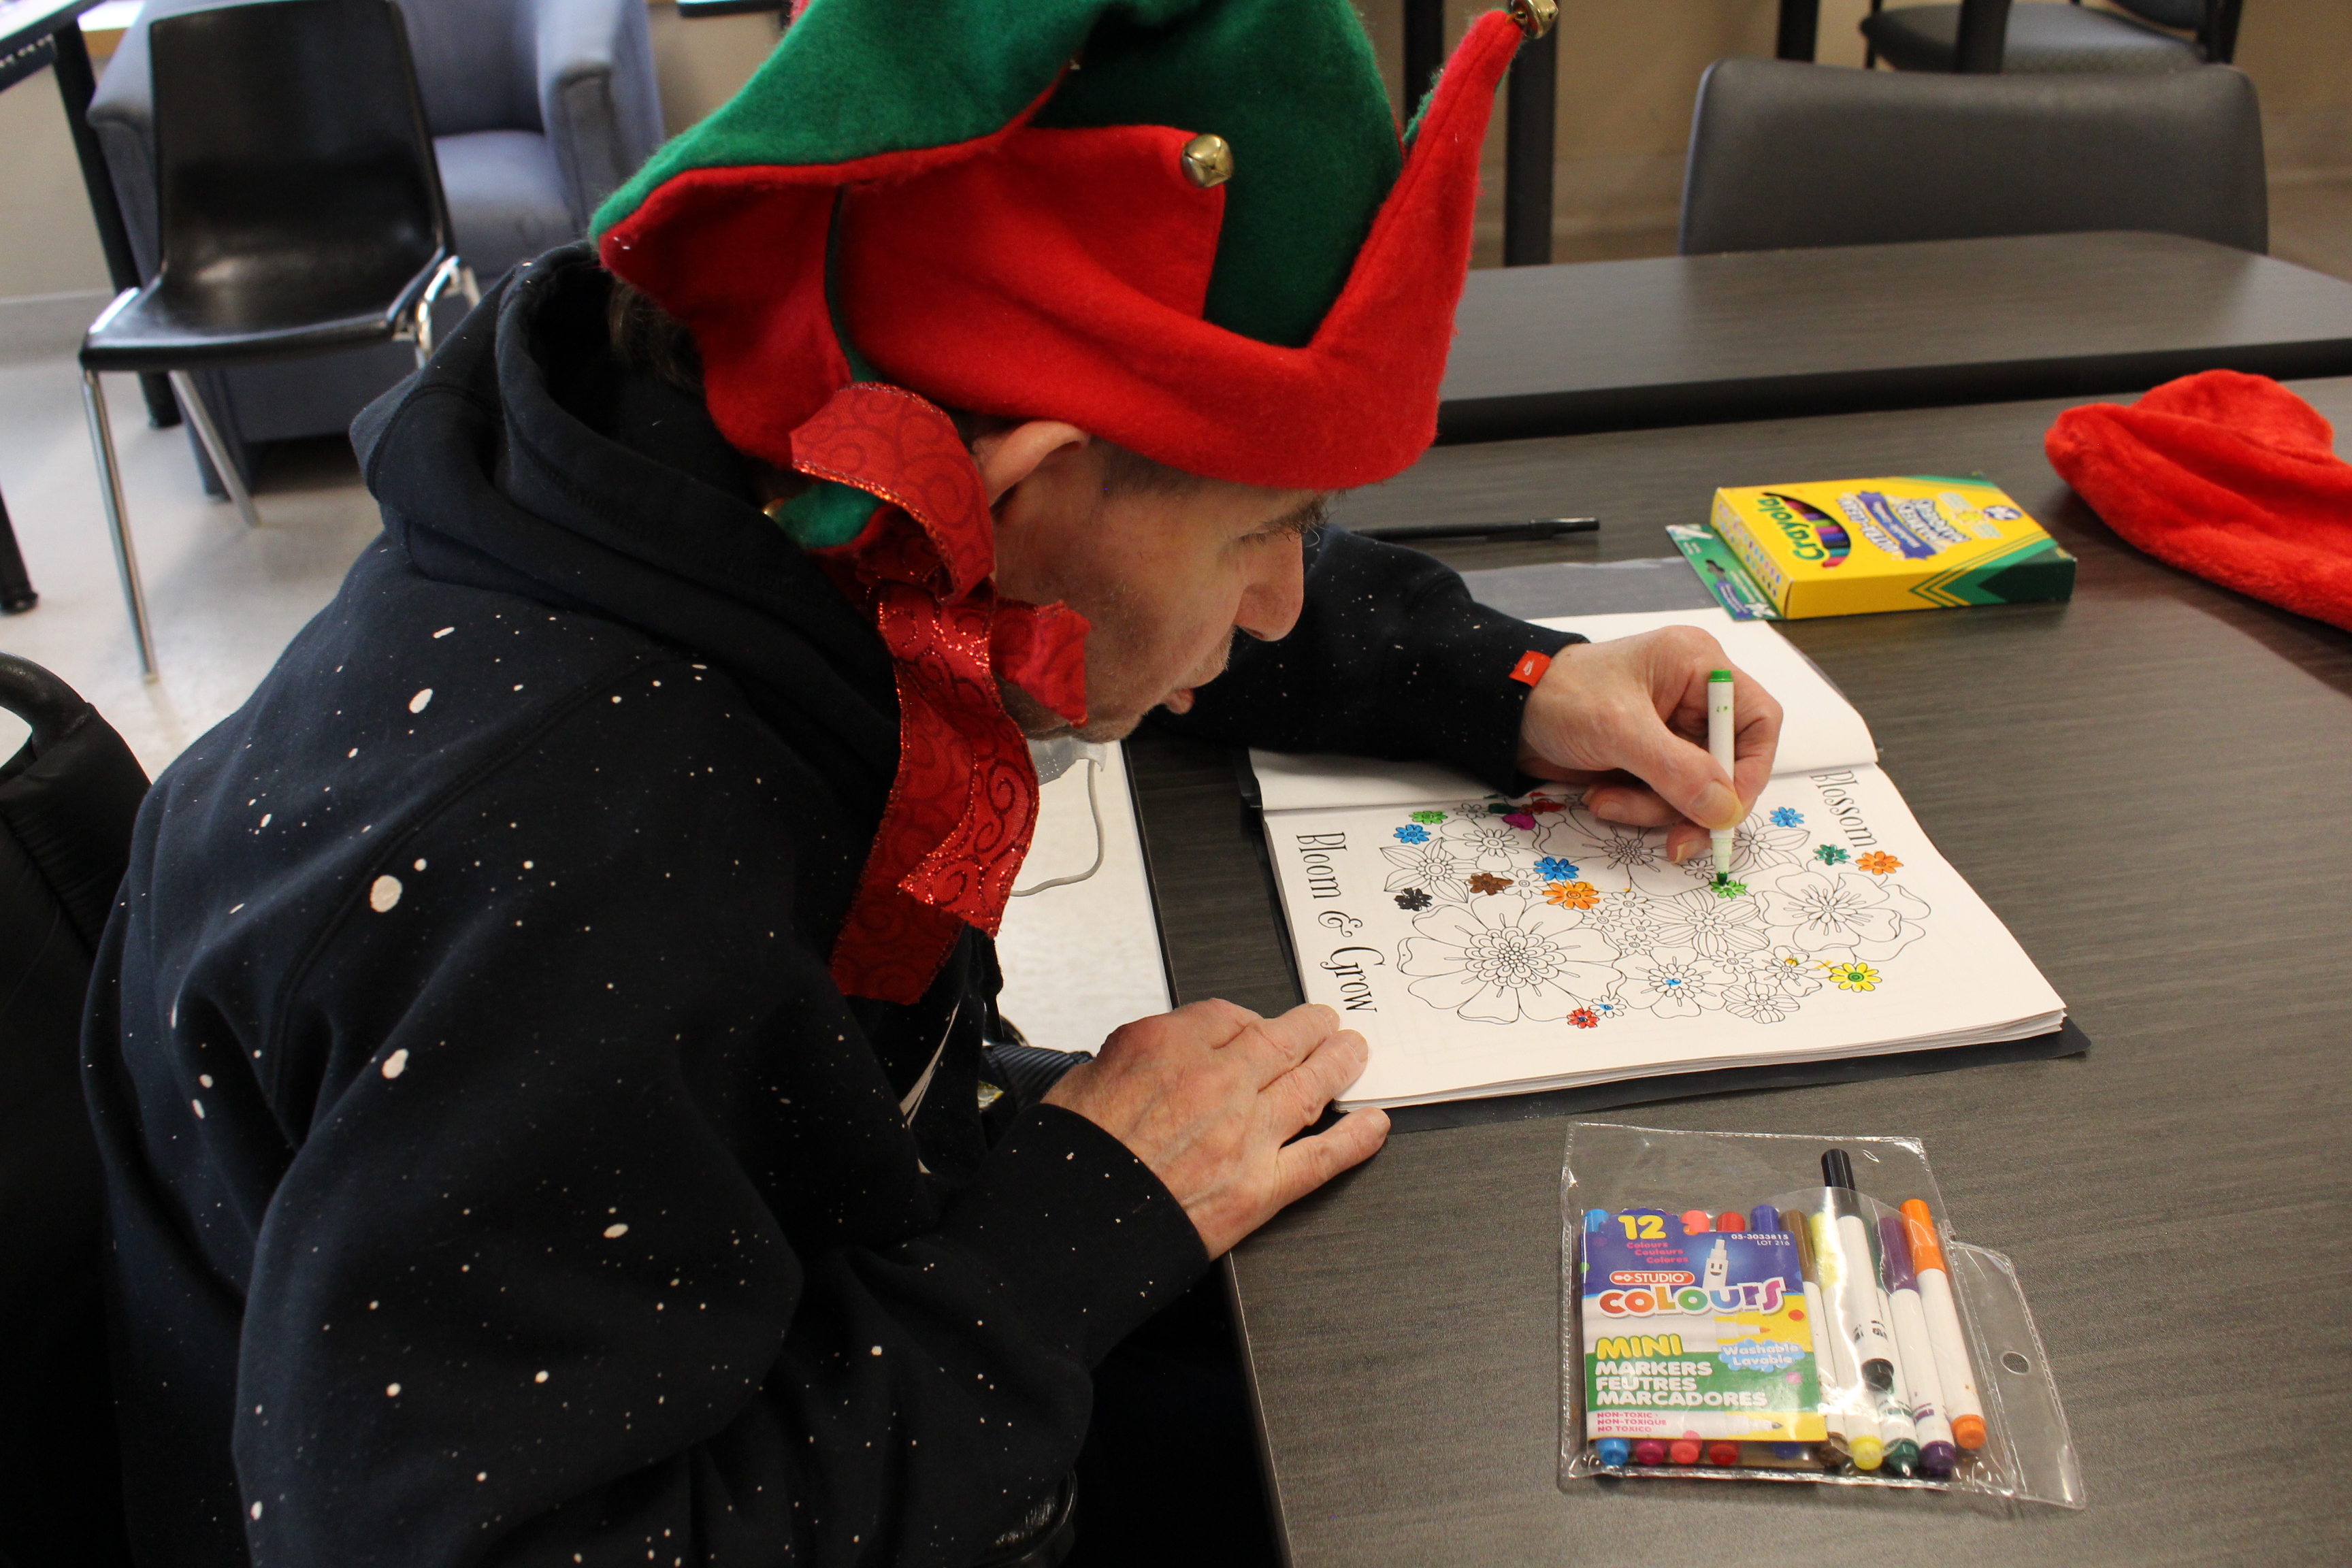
2227,474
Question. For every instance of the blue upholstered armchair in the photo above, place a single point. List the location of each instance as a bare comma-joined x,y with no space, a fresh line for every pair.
537,108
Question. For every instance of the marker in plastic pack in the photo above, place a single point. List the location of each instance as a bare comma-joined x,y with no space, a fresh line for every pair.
1825,1362
1954,1373
1862,1442
1873,1348
1938,1453
1894,1421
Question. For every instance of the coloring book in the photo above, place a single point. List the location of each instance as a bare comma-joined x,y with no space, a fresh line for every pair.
1485,944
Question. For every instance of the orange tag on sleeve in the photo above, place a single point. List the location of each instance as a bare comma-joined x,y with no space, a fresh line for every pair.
1531,668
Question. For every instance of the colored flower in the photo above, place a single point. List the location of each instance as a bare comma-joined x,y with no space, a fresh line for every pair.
1487,840
1728,889
1431,818
1608,1007
1552,868
1542,803
1672,982
1878,862
1501,960
1826,910
1711,926
1830,855
1413,833
1789,969
1787,816
1854,975
1486,882
1438,866
1412,899
1572,895
1520,820
1758,998
1500,808
1585,1018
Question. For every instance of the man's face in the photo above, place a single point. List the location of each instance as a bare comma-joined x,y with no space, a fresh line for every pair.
1164,577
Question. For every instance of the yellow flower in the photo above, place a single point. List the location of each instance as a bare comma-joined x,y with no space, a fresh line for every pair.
1573,895
1854,976
1878,863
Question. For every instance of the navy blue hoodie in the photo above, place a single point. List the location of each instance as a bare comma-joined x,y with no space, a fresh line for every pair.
495,1173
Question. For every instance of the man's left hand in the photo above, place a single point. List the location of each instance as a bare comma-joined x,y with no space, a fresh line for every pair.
1628,720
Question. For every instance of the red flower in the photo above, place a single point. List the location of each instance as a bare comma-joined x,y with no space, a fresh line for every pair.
1585,1018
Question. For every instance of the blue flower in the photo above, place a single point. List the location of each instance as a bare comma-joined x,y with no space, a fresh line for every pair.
1787,816
1552,868
1413,833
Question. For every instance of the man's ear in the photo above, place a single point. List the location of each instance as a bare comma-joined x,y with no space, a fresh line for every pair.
1006,458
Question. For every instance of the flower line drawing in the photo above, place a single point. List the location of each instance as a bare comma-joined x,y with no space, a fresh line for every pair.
1542,911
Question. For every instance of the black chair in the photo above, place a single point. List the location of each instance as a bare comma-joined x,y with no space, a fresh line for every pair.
1994,35
1786,155
67,801
300,209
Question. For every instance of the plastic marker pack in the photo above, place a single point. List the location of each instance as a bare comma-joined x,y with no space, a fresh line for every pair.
1763,1307
1847,547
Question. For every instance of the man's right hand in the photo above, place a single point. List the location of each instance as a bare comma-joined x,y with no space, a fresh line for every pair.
1210,1095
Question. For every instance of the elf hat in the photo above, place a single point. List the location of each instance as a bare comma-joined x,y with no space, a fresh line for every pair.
1186,226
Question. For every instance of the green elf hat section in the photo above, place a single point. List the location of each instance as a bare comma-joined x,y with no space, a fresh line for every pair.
1186,226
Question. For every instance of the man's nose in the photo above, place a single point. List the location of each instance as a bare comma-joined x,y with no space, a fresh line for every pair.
1274,595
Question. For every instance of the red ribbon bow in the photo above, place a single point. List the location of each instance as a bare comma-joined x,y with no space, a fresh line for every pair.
963,807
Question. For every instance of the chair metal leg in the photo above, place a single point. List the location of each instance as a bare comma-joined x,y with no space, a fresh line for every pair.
110,493
215,447
420,323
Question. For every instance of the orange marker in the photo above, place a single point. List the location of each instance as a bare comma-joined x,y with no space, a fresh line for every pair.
1685,1451
1695,1221
1953,1371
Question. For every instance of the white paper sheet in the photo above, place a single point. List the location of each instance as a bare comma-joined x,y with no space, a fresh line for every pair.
1485,953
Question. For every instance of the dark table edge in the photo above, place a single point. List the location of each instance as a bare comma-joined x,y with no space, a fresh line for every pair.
1592,410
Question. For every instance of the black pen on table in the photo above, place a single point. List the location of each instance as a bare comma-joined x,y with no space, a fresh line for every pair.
1532,528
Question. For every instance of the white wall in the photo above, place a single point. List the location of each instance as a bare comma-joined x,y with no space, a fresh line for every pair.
1628,71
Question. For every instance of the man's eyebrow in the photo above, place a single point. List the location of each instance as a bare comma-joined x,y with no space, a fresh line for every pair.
1303,519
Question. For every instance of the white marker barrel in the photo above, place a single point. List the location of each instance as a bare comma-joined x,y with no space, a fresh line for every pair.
1954,1373
1719,744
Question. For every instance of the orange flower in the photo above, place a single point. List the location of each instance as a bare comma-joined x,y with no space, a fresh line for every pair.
1573,895
1878,863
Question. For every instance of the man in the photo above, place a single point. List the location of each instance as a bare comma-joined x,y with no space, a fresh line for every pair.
537,1053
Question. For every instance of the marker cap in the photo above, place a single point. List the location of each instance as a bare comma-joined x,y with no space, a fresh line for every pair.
1895,1253
1937,1459
1926,1251
1723,1453
1649,1451
1614,1450
1694,1221
1869,1453
1716,677
1684,1452
1837,1170
1764,1219
1732,1220
1969,1431
1595,1221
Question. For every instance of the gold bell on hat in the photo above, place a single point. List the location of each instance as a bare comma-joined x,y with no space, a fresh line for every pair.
1209,158
1534,17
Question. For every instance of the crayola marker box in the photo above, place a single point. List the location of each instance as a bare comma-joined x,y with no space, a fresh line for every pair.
1850,547
1699,1335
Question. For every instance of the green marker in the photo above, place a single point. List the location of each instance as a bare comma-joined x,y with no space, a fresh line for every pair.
1718,746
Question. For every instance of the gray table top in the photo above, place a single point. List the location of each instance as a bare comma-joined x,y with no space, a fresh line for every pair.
1687,339
2147,785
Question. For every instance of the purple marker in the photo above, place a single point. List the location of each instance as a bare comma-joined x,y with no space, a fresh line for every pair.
1915,1351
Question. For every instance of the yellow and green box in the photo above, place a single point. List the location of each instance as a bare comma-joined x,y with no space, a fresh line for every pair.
1851,547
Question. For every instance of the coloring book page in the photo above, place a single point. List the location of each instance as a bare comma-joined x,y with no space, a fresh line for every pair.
1493,944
